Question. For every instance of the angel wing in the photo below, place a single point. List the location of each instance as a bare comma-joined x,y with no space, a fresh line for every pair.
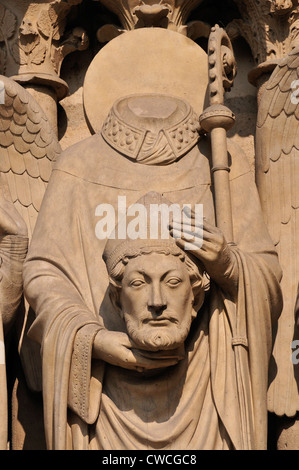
28,148
277,178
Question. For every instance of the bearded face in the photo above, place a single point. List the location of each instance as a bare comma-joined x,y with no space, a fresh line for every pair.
157,301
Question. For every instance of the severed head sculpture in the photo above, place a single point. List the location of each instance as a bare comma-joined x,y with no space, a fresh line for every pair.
156,287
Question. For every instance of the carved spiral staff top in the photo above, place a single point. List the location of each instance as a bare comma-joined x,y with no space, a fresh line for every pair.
217,119
222,65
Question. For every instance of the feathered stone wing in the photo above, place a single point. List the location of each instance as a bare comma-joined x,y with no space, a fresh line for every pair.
277,177
28,149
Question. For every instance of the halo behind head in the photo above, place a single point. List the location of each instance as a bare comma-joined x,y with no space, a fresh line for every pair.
146,60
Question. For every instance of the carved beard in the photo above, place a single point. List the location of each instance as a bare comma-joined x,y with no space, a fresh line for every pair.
154,338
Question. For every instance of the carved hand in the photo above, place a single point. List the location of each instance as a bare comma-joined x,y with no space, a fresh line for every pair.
207,243
117,349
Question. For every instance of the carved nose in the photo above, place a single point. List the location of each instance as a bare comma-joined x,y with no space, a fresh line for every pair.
156,301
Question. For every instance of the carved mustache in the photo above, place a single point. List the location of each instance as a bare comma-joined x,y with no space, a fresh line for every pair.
164,316
160,318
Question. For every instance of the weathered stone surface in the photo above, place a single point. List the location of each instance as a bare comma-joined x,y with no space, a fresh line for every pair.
140,112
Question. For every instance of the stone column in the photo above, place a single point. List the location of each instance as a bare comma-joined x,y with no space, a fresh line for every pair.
267,26
33,44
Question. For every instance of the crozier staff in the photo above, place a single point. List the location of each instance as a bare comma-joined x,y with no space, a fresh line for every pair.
218,119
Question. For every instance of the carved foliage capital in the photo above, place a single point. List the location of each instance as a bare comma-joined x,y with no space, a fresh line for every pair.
169,14
33,40
267,26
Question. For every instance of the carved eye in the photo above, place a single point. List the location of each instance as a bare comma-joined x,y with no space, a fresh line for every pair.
173,281
137,283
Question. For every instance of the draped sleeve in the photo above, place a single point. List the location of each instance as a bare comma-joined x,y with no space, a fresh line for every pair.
65,282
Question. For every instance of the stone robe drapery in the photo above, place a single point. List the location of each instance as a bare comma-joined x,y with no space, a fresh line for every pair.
66,281
13,250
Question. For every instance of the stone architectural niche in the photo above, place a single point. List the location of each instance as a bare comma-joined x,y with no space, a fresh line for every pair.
269,27
159,166
33,44
170,14
93,14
